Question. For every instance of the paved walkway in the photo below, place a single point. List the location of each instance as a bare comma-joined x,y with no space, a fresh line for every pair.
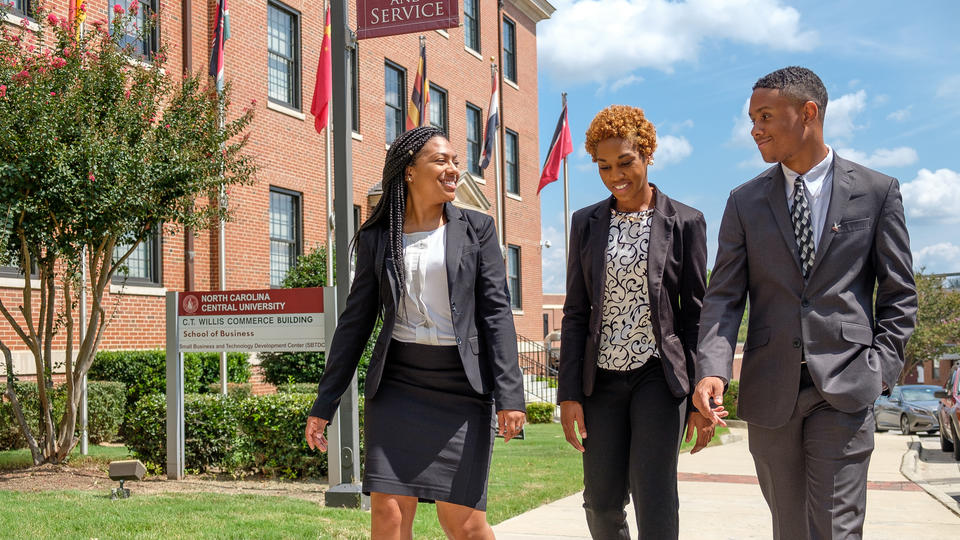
720,499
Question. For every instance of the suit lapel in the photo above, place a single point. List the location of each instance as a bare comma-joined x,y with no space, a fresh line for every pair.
661,232
839,197
455,239
599,231
777,198
388,270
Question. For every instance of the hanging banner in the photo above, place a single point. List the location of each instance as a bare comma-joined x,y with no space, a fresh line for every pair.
276,320
377,18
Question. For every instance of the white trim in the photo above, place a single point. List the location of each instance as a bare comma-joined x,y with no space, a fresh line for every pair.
537,10
286,110
479,179
17,283
473,52
386,146
553,306
356,136
443,33
511,83
17,20
136,62
134,290
516,311
514,197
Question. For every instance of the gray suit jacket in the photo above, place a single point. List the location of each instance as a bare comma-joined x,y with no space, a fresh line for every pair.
479,306
852,342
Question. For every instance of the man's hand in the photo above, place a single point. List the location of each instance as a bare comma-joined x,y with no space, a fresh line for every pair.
314,433
704,429
710,389
510,423
571,413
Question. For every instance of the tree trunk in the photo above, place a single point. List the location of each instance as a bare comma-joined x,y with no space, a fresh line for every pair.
11,394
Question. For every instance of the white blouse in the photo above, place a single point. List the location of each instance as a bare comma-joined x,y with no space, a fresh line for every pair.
425,315
627,340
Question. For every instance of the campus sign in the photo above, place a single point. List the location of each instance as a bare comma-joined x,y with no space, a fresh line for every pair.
376,18
275,320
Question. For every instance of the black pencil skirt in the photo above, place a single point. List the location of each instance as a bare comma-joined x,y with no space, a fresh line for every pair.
428,433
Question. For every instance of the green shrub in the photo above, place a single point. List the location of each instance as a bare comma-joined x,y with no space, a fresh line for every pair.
210,438
234,390
106,402
730,399
540,412
29,398
272,437
307,367
298,388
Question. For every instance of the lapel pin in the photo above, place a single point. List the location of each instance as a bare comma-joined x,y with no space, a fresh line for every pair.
836,227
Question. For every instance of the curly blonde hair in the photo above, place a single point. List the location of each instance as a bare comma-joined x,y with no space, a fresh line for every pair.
624,122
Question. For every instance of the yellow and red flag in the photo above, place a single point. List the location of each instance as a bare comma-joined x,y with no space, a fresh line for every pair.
420,97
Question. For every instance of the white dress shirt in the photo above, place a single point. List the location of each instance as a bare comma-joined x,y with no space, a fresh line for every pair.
817,184
425,317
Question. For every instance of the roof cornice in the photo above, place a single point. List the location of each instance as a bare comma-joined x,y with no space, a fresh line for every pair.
537,10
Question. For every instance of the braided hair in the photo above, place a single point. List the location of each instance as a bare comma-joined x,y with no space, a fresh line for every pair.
393,204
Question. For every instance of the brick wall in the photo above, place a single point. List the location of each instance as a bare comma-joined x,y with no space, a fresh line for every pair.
291,154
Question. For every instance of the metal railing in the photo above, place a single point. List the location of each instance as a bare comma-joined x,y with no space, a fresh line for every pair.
539,371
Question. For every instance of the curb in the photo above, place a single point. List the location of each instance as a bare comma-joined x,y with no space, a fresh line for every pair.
908,468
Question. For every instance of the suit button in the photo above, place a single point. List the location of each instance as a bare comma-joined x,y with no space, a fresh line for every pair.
458,341
805,303
797,343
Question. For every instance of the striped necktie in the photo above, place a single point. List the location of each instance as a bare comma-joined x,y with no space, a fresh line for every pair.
802,226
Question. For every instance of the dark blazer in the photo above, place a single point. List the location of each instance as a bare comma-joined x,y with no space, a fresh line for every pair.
852,340
676,269
479,305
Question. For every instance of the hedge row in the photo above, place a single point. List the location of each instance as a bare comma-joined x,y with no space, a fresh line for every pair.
245,435
730,398
540,412
105,407
307,367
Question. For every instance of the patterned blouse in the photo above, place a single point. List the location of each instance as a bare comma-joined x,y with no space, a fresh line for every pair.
626,337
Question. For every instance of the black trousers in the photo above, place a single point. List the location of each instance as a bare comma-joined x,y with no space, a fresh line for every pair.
634,427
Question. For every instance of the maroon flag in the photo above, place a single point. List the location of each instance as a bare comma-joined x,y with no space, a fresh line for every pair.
560,147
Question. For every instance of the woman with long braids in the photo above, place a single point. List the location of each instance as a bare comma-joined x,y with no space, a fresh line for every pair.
446,358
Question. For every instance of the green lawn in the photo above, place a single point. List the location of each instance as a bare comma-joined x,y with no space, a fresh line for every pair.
525,474
19,459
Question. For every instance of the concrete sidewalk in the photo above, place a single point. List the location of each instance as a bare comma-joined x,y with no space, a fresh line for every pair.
720,499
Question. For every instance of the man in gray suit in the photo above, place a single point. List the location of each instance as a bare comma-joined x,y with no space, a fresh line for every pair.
819,246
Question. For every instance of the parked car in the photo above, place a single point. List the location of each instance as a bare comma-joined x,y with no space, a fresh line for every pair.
948,413
910,408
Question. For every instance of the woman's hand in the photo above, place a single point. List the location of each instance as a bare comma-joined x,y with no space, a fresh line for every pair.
704,428
314,433
571,418
510,423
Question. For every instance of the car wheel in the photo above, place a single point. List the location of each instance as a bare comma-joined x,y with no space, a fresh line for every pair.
945,445
905,425
956,444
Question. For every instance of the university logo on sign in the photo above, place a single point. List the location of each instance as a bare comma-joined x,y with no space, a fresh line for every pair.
376,18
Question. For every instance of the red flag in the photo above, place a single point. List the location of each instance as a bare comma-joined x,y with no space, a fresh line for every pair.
560,147
493,121
323,89
420,96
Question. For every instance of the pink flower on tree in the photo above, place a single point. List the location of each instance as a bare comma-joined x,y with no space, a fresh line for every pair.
53,19
58,62
53,93
118,9
3,90
134,8
23,76
91,177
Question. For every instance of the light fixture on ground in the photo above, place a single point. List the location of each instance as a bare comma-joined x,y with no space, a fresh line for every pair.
122,471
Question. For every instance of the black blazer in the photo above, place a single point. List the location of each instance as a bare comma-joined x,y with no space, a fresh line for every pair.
479,305
676,270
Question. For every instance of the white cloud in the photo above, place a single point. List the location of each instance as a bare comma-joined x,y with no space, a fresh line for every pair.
740,135
933,195
554,261
841,113
755,163
881,157
626,81
938,257
949,87
900,115
671,149
604,40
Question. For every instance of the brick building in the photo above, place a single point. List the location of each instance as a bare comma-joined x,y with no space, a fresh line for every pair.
271,60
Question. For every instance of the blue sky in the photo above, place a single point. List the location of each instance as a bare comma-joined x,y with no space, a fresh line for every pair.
891,70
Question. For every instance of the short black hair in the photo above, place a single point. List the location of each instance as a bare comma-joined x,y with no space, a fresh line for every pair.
797,83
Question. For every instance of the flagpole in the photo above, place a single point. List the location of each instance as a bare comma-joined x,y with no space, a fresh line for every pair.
331,223
566,194
496,168
222,247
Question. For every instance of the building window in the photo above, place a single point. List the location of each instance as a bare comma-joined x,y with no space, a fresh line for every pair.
142,266
471,24
509,50
395,82
22,7
283,46
438,107
474,139
354,78
285,237
142,46
511,151
513,276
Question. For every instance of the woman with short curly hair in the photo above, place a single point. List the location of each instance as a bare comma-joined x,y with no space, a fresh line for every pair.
635,283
